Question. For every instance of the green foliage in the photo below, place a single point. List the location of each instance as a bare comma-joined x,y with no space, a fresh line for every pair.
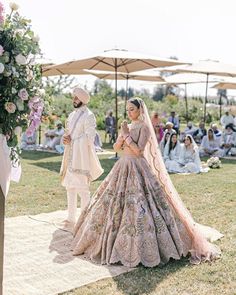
20,76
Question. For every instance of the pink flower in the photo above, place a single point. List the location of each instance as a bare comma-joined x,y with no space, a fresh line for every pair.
1,50
23,94
10,107
1,13
36,106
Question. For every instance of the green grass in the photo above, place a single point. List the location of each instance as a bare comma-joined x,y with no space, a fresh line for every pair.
211,198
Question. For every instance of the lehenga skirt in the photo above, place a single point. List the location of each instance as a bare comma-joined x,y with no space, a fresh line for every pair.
129,220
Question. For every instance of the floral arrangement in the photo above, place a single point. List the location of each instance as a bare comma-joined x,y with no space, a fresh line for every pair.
20,77
214,162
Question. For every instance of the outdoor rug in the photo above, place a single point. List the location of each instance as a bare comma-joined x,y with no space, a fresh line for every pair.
38,260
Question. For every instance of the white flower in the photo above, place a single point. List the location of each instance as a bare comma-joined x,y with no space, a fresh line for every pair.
23,94
13,91
35,38
20,104
1,50
7,73
41,92
21,59
10,107
13,6
1,68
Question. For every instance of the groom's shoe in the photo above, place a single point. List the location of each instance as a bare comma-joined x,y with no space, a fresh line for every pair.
68,225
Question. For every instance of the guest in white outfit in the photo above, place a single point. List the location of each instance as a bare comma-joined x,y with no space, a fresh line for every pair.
210,145
28,142
200,133
80,163
171,154
227,119
228,143
164,142
189,156
190,129
216,131
53,137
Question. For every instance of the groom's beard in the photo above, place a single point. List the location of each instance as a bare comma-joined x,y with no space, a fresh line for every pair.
77,105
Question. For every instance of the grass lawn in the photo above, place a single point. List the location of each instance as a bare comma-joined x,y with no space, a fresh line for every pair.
211,198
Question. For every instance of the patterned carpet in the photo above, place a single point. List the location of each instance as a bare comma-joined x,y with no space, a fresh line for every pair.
38,260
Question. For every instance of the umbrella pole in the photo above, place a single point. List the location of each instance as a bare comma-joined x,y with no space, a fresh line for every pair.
186,101
220,102
205,102
126,94
2,217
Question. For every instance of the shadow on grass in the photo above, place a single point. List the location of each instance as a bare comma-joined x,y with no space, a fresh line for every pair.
55,166
37,155
145,280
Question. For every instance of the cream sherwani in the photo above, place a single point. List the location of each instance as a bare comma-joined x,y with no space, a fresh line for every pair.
80,164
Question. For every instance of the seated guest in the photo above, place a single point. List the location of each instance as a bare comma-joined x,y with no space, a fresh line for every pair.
228,141
189,156
199,133
171,154
169,127
210,145
216,131
190,129
28,142
164,141
53,137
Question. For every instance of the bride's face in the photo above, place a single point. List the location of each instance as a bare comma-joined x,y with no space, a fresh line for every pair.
133,111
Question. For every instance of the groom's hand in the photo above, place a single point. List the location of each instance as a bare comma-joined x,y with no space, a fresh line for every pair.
66,139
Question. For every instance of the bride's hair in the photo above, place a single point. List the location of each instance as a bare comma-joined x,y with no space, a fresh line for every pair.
135,101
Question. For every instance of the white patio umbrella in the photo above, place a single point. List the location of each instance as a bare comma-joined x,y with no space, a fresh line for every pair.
152,77
115,60
227,84
185,79
208,68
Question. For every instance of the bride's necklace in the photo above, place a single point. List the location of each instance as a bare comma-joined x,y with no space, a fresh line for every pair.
136,124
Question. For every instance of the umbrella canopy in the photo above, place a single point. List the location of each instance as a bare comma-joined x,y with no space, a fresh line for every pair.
115,60
123,60
208,68
188,78
227,84
185,79
205,67
52,70
130,76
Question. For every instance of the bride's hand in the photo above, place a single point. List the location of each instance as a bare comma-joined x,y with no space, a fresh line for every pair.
124,128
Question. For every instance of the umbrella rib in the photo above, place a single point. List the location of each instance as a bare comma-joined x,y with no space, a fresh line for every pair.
102,61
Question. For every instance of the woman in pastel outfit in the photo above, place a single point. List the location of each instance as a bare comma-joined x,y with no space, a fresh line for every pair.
171,154
210,145
189,156
136,216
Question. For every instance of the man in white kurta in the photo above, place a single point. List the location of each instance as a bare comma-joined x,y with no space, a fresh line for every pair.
80,163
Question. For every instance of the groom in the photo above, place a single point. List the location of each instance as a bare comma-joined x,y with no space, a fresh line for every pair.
80,164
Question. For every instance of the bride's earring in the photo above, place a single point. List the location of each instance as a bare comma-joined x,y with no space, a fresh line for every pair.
141,117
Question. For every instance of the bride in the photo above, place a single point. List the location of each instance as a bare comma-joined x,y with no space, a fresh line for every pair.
136,215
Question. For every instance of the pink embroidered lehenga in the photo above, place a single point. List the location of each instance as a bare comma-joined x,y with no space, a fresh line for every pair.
136,216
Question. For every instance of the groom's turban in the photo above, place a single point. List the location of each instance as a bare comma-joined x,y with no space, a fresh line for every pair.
81,94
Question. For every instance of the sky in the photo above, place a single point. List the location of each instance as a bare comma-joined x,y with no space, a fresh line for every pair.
188,29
